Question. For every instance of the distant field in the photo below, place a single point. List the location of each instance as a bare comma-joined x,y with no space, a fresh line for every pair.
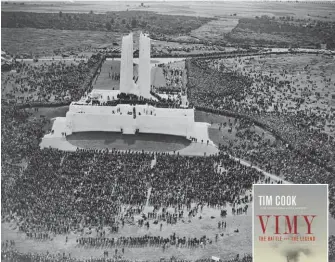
46,41
214,30
209,9
288,30
227,13
43,42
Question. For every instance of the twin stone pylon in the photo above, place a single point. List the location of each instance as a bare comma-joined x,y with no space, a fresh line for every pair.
126,69
127,84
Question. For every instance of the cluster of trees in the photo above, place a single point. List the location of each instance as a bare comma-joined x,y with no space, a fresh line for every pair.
295,34
122,21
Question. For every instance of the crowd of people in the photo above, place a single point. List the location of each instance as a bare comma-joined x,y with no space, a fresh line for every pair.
173,77
272,155
211,88
55,192
133,99
62,195
114,76
47,82
144,241
10,254
280,106
19,134
48,192
285,102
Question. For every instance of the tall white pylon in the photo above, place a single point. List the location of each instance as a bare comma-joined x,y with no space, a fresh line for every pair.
126,72
144,80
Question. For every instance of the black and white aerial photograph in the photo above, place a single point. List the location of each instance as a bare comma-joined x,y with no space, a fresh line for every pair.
135,130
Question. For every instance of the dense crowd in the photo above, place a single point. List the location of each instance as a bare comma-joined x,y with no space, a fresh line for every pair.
62,195
254,94
47,192
144,241
10,254
211,88
194,48
57,81
273,156
296,150
133,99
54,192
173,77
20,134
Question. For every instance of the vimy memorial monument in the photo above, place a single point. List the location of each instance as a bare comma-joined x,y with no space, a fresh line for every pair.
134,108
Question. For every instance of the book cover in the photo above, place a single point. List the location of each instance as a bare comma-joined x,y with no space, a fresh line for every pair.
290,223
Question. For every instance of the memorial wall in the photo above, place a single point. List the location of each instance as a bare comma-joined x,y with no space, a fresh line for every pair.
121,118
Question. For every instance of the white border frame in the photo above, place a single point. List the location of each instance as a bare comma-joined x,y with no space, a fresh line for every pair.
291,184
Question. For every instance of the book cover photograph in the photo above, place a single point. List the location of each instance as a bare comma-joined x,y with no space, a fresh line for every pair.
290,223
134,131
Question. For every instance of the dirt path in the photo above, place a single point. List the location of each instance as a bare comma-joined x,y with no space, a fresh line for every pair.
272,176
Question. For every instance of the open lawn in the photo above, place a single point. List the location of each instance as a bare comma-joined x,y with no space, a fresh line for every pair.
49,42
283,31
105,80
215,30
202,9
43,42
227,15
49,112
184,49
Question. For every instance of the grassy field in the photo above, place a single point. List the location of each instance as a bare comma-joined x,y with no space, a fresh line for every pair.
208,9
44,42
49,112
289,31
104,81
119,21
215,30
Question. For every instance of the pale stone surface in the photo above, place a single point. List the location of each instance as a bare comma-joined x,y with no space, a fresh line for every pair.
57,140
144,66
83,117
126,76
